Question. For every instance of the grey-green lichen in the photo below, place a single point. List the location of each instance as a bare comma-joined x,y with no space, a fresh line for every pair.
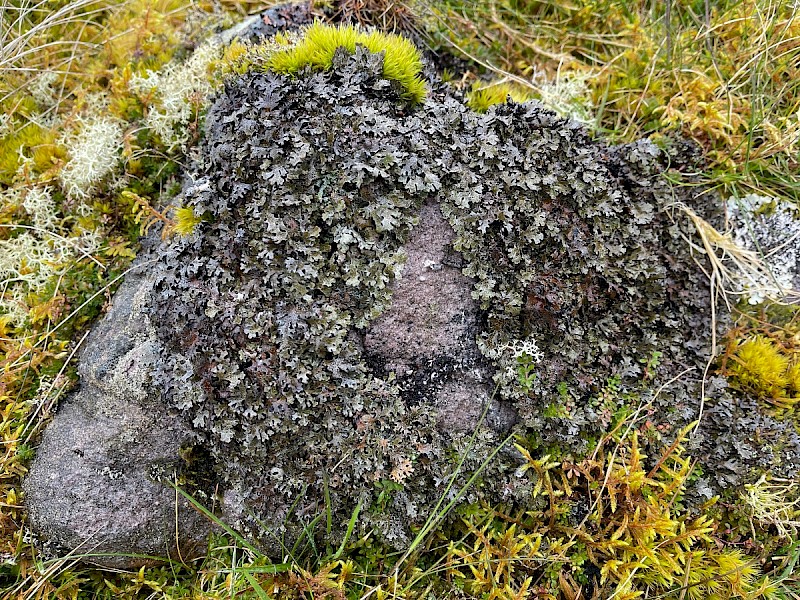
311,185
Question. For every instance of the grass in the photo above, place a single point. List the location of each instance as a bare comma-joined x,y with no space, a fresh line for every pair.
725,75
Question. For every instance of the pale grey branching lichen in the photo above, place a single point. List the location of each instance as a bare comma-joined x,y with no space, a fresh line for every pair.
176,89
770,228
94,152
568,95
38,253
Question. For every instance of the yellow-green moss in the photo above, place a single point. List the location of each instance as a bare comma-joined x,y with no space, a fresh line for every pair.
643,542
19,105
482,96
29,141
793,377
186,220
402,62
761,367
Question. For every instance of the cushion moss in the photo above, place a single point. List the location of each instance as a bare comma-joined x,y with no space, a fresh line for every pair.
764,369
402,61
482,95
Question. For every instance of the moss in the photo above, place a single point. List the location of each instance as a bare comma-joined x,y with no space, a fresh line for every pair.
482,96
793,380
633,536
28,141
20,106
145,31
186,220
761,367
402,62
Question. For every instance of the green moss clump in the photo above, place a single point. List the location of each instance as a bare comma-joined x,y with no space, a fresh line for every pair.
30,140
762,368
482,96
186,220
402,62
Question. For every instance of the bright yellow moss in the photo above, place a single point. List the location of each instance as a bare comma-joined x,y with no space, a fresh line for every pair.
402,62
186,220
760,367
793,387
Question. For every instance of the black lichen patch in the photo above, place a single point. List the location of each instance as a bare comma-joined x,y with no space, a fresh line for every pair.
312,186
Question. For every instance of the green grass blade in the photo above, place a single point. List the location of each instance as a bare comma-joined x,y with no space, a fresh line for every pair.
350,526
256,586
207,513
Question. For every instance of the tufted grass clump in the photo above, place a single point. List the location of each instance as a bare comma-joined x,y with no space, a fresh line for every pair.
402,62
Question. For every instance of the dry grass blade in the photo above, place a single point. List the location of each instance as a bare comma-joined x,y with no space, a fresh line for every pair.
775,502
731,268
22,38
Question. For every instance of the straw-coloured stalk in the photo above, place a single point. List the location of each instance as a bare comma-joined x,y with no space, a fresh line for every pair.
770,503
733,270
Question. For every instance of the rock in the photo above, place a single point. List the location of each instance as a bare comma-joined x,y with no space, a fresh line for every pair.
284,17
538,269
94,488
427,336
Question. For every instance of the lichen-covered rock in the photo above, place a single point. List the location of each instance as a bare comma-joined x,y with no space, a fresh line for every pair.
370,284
96,487
322,189
298,369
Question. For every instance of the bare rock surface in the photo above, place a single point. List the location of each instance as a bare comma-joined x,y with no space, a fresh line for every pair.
427,336
432,309
96,486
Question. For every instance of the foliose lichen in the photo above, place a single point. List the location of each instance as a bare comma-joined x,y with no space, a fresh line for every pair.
310,186
771,228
